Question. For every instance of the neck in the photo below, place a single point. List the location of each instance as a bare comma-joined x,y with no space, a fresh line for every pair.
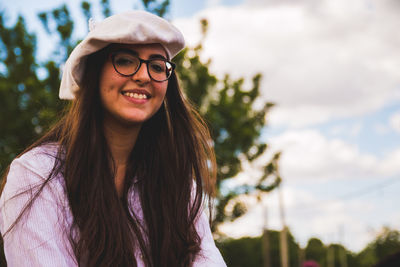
121,139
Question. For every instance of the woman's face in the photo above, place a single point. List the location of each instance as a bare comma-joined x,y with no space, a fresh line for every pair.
131,100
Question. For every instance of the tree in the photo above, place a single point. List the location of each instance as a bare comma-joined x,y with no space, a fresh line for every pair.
315,250
386,243
247,251
234,123
228,107
30,105
339,251
25,101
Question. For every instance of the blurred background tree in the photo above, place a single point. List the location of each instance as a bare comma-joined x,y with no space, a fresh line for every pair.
247,252
386,243
29,100
315,250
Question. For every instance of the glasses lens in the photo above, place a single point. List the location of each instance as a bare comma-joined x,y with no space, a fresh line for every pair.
125,63
159,70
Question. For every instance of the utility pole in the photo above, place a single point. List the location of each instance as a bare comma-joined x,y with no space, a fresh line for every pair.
265,240
284,248
343,256
331,256
301,256
266,249
283,235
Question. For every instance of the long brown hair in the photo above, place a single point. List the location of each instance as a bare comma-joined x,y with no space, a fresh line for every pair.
172,165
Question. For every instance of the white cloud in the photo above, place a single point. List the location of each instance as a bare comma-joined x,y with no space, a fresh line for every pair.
352,130
212,3
394,122
307,217
390,164
308,155
320,59
381,128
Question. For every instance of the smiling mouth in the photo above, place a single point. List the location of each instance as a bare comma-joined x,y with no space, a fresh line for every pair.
136,95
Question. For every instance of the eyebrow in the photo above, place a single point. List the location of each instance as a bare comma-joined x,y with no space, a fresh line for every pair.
156,56
133,52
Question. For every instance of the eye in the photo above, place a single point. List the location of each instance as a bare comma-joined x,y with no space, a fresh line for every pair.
124,60
157,66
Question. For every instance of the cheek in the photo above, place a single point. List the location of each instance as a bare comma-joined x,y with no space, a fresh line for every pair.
162,89
108,82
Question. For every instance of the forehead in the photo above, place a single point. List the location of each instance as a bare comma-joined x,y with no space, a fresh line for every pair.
147,49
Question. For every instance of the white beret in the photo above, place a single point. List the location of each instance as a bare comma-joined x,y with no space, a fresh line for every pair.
131,27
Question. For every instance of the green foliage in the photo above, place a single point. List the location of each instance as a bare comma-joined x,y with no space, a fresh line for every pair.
242,252
386,243
247,251
20,92
30,105
86,9
30,101
315,250
340,254
60,23
105,4
235,126
159,8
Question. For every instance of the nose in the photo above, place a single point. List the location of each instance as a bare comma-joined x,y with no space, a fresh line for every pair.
142,74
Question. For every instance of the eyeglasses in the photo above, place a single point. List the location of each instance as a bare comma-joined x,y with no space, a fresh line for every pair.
127,64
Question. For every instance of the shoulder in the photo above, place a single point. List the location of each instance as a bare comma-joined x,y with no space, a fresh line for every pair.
28,179
34,219
39,160
31,168
209,254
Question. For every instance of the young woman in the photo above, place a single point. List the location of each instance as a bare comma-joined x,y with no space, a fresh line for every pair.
122,178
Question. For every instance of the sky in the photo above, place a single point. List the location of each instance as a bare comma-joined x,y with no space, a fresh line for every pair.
333,70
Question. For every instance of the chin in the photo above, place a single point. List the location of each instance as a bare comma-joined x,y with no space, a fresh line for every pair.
134,122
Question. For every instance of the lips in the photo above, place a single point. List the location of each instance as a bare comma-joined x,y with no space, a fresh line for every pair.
136,94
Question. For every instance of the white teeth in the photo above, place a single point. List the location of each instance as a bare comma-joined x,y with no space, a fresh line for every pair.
136,95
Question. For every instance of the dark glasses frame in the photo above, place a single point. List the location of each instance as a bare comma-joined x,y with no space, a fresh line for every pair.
141,61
